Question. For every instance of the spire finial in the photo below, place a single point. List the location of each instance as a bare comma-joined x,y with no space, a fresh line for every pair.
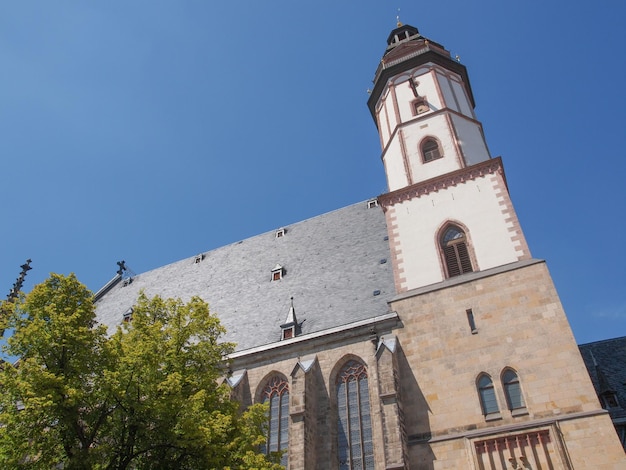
398,22
291,316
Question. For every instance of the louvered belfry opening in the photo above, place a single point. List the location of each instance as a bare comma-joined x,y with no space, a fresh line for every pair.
455,251
430,150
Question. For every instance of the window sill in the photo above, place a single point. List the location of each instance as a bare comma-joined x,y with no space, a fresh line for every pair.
519,412
493,416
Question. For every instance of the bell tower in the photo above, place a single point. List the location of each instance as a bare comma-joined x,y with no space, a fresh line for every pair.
423,106
493,373
448,207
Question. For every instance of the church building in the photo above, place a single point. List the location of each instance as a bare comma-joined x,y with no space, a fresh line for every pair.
411,331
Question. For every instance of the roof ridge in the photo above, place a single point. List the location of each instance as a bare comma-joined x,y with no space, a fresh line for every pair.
215,249
619,338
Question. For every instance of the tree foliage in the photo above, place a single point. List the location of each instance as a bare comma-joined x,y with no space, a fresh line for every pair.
146,397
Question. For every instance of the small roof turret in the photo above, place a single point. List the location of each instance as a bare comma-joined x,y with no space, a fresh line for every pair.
291,327
403,31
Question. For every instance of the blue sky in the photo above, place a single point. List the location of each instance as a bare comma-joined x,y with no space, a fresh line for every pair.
150,131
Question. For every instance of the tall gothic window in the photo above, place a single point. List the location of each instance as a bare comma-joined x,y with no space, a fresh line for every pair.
354,436
276,393
487,395
455,251
512,390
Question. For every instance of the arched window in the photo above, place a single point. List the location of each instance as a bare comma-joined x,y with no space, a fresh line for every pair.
487,395
354,425
430,150
276,393
512,390
455,252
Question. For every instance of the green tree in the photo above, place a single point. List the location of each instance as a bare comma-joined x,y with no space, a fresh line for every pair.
146,397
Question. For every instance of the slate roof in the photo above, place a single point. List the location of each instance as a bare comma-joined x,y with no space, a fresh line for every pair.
606,364
333,265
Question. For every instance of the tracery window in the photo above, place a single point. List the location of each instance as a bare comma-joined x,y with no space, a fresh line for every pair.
487,395
276,393
455,251
512,390
354,426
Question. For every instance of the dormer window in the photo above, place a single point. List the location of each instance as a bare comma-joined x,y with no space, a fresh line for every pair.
128,315
128,281
280,233
289,332
372,203
199,258
609,400
278,272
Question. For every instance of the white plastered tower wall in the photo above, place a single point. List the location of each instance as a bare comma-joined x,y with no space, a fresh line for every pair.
478,201
446,114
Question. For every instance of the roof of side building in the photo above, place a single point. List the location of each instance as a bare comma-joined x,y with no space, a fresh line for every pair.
337,268
606,364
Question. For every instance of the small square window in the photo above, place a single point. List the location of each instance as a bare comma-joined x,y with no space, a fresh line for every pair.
372,203
280,233
420,106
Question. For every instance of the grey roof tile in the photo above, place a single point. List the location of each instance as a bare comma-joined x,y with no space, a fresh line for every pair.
606,362
332,268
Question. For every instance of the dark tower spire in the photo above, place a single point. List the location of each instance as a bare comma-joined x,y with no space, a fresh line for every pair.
407,49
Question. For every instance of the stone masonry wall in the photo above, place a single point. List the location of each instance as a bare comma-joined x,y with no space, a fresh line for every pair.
520,324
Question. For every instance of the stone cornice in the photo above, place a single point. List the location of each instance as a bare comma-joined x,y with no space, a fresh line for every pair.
491,166
464,278
339,333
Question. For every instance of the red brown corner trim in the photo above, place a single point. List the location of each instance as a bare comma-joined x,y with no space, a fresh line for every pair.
395,249
508,211
492,166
